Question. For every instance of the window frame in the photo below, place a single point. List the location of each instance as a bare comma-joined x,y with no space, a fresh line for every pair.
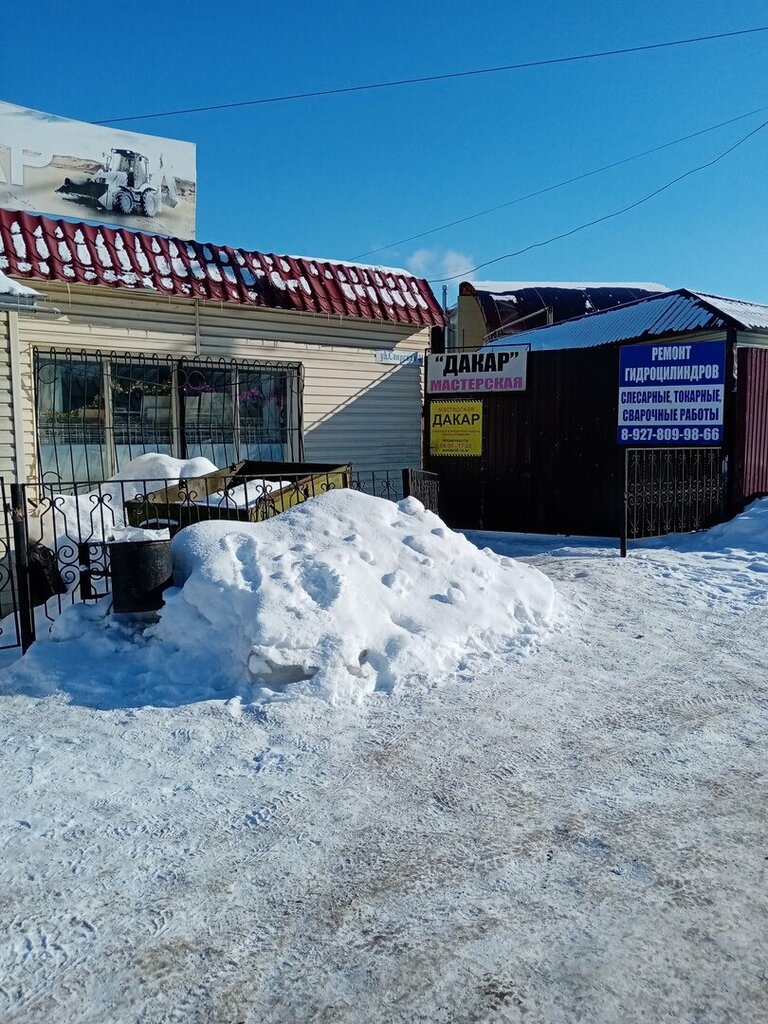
292,432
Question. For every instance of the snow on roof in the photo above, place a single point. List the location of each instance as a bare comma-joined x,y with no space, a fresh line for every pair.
676,312
515,286
380,267
9,287
34,246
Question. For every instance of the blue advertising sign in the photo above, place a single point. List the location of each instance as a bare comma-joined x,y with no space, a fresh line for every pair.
672,394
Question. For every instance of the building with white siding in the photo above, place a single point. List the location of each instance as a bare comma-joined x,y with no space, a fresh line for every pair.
139,342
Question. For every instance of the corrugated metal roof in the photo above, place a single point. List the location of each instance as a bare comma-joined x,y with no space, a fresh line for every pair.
41,248
676,312
749,315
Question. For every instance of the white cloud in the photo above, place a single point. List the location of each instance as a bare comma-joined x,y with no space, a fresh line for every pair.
419,261
455,262
437,263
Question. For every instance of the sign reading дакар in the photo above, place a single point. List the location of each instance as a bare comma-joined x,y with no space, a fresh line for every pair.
672,394
455,428
495,370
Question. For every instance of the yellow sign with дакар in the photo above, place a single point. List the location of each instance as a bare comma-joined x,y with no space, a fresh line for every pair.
455,428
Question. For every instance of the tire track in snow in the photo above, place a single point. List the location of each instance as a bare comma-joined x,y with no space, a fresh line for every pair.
470,853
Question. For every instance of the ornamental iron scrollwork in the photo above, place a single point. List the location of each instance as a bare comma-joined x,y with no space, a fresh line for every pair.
77,522
672,490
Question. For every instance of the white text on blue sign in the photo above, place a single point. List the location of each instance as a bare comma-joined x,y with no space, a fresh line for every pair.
672,394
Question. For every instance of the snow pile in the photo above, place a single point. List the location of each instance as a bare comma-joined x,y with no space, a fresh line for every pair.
9,287
346,594
155,467
340,596
99,515
747,532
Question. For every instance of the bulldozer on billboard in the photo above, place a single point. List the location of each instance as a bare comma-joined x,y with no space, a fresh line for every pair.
124,185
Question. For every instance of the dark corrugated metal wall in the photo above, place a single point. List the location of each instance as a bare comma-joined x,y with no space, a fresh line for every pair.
752,446
550,462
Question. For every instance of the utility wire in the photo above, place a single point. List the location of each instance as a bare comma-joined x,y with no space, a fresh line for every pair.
545,62
559,184
608,216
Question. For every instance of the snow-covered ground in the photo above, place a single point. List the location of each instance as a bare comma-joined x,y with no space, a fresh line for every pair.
569,830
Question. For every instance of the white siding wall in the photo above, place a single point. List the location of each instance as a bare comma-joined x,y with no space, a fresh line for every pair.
355,409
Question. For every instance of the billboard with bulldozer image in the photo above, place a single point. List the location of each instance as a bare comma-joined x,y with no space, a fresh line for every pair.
64,168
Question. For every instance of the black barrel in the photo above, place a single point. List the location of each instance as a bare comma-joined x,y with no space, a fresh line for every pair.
141,571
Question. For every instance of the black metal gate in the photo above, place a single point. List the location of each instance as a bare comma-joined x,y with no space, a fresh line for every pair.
9,603
423,486
672,490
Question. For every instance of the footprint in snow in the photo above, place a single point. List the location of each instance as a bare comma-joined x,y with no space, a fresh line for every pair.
408,624
321,583
452,596
415,545
398,581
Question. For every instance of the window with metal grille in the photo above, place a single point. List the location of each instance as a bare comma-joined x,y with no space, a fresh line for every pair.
96,412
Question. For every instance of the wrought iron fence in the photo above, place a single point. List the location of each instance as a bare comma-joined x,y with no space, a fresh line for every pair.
9,596
672,490
74,522
424,486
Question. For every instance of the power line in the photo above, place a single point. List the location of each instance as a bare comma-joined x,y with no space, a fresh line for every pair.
436,78
607,216
558,185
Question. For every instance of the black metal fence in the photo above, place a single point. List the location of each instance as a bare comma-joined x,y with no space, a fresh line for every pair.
13,549
54,536
424,486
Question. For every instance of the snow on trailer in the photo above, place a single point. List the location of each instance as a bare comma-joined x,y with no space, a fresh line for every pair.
148,501
249,491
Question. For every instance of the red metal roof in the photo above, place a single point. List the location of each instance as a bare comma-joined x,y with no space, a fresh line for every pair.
41,248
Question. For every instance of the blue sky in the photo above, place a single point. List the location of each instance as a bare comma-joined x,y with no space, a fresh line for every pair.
341,175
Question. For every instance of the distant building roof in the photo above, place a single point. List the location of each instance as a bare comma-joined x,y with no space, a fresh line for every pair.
522,305
677,312
42,248
514,286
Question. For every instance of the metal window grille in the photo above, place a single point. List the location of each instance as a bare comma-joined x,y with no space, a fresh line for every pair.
96,412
